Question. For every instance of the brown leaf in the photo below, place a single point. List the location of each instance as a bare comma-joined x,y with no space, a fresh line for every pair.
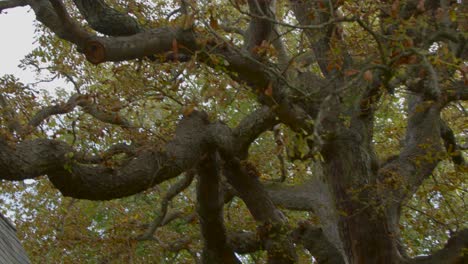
368,76
351,72
175,48
188,110
321,4
413,59
420,7
408,43
269,90
240,3
214,22
395,8
422,73
331,66
464,71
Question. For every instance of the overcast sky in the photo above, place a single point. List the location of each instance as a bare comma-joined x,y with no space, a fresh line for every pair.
16,29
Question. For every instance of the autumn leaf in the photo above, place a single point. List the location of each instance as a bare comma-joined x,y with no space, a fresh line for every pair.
413,59
368,76
408,43
420,7
321,4
175,48
464,71
269,89
239,3
214,22
331,66
188,110
351,72
395,8
222,79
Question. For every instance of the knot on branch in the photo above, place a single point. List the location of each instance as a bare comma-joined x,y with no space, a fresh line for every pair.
250,169
270,230
95,52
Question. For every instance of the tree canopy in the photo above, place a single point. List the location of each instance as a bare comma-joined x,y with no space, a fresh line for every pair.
240,131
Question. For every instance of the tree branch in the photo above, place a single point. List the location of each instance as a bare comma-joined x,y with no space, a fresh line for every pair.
84,101
315,241
457,91
312,238
171,193
129,150
453,252
451,144
252,126
33,158
54,16
12,123
317,13
245,181
313,195
245,242
260,27
105,19
210,212
11,4
422,150
159,41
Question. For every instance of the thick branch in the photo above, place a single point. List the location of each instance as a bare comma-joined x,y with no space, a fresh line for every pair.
105,19
159,41
162,218
100,49
11,4
457,91
317,13
167,42
261,27
54,16
253,125
88,107
129,150
422,149
210,212
245,181
33,158
312,238
148,167
156,41
315,241
12,123
453,252
296,197
245,242
313,195
451,143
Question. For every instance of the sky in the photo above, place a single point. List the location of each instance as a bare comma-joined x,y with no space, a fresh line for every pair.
17,31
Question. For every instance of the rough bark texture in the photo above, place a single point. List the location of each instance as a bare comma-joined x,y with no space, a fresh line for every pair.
350,190
210,212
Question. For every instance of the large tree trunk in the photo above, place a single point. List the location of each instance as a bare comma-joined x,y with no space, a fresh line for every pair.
357,200
364,226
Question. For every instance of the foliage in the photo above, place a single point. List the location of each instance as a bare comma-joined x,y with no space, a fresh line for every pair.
154,94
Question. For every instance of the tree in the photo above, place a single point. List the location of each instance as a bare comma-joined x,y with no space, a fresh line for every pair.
336,112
